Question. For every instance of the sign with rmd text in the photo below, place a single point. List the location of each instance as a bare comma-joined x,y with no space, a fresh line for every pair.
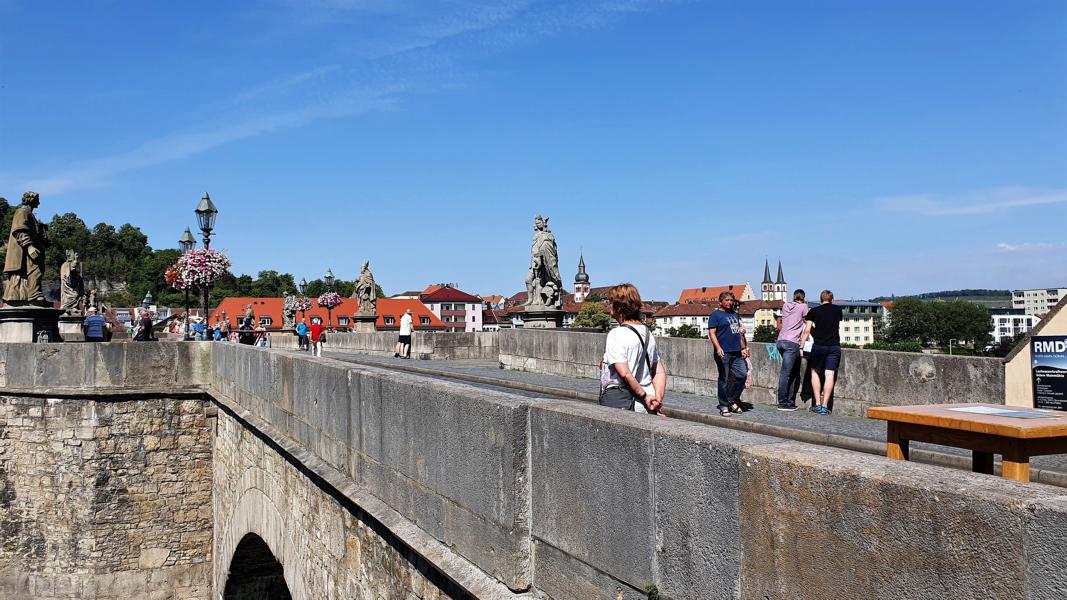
1049,371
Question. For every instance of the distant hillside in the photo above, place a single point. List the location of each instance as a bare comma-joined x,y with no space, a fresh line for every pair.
978,296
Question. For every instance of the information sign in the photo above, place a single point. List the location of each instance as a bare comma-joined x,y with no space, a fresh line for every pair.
1049,371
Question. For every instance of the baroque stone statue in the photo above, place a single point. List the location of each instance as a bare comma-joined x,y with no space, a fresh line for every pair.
24,263
71,286
289,311
366,294
543,282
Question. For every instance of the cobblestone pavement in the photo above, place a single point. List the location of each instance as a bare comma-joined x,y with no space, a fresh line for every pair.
853,427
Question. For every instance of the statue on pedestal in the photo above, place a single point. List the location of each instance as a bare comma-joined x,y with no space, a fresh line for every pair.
24,263
543,282
366,293
71,286
289,311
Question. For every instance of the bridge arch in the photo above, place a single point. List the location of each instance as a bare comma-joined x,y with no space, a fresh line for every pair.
255,573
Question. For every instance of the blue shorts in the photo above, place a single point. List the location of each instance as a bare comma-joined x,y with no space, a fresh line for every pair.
825,358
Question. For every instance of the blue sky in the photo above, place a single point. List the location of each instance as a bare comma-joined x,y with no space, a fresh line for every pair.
877,147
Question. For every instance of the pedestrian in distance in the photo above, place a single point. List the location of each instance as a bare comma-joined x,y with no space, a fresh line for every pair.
403,341
790,329
318,336
302,334
199,329
822,323
94,326
731,350
144,328
631,375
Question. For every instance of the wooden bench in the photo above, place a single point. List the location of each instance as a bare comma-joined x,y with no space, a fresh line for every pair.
1016,439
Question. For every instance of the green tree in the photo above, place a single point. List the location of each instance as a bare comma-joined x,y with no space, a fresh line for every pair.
684,331
592,315
961,321
766,334
66,232
910,321
1006,345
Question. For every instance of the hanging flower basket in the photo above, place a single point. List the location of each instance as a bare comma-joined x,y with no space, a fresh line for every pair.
197,269
329,300
302,304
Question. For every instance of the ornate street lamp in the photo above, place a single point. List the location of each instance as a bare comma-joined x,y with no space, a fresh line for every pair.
186,243
303,285
329,309
205,216
147,302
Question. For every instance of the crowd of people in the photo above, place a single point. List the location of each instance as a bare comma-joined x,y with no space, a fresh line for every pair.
632,376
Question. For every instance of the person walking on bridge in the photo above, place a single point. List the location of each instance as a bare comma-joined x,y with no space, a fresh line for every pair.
631,375
822,323
403,342
731,350
316,336
790,328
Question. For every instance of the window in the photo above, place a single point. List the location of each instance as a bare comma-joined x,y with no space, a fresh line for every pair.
424,320
446,307
848,339
390,320
847,329
265,321
472,319
342,321
866,328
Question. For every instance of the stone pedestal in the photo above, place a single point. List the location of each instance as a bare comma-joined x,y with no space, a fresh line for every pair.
548,318
24,324
364,323
70,328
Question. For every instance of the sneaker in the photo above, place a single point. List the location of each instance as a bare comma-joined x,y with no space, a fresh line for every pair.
823,411
787,408
396,355
814,408
724,412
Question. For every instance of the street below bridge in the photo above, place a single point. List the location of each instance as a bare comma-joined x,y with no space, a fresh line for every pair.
849,432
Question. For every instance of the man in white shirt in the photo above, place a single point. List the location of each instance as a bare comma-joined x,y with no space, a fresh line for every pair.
403,343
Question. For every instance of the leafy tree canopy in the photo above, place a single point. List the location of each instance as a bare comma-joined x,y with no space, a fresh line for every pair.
593,315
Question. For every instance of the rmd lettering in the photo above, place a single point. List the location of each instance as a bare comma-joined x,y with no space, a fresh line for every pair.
1051,347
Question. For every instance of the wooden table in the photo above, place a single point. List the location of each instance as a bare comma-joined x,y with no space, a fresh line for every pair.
985,435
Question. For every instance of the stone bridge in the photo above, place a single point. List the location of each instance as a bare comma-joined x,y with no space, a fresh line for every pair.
201,470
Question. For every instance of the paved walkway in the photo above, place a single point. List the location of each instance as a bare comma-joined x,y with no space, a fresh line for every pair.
855,433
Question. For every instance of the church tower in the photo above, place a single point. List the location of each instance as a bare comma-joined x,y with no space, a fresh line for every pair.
581,281
767,287
781,290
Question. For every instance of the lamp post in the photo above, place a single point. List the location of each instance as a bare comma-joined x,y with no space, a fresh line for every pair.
205,216
950,342
147,302
329,309
303,285
186,244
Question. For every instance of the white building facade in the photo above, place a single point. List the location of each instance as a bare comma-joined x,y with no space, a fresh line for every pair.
1037,302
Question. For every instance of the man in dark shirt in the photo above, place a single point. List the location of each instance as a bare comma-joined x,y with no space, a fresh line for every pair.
822,323
731,350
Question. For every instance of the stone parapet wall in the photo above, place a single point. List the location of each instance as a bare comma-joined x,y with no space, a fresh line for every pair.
571,500
325,549
451,462
428,345
866,378
105,472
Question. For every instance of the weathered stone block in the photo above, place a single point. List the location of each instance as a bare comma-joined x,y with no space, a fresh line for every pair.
879,527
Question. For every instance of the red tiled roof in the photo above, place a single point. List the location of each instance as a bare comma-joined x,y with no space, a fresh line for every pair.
448,294
272,307
710,294
703,309
494,299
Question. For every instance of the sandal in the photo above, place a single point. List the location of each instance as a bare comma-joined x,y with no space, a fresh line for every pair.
734,408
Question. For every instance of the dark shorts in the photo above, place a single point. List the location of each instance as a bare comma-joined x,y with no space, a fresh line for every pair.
825,358
404,339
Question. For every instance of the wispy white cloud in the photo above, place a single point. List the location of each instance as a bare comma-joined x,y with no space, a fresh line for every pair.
973,203
416,59
1030,246
179,145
